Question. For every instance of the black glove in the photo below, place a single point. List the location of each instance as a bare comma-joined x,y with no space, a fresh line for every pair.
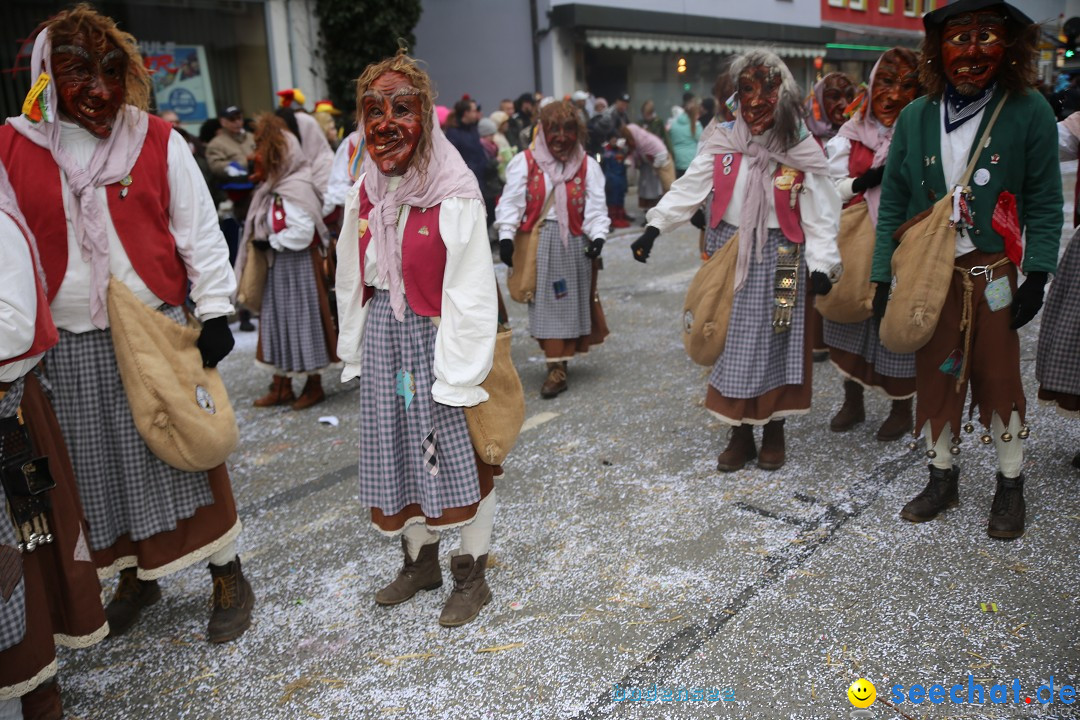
261,245
869,179
1027,300
594,247
698,219
642,247
506,252
820,283
881,299
215,341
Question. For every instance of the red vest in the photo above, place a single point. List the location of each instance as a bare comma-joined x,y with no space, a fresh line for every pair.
786,185
423,258
859,161
141,218
45,335
536,195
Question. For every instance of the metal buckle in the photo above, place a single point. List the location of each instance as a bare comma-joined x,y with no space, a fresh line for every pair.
984,270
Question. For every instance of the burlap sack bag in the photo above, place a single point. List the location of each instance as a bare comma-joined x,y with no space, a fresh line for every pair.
707,308
179,407
249,291
494,425
923,266
521,279
851,299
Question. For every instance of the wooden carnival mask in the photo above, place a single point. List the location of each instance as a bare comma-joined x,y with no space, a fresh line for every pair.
393,122
972,49
90,82
896,84
759,92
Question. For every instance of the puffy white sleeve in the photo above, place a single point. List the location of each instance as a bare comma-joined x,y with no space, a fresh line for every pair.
352,316
339,183
838,150
299,229
820,212
18,294
465,343
685,196
511,207
193,221
1068,144
597,222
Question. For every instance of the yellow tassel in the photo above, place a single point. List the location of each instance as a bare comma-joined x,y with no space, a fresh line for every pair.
31,108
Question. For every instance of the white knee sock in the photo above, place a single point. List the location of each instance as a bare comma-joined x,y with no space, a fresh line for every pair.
1010,454
943,459
476,536
225,555
11,709
417,535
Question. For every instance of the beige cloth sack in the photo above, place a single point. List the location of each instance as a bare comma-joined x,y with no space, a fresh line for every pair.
494,425
521,279
923,266
707,308
249,292
851,299
179,407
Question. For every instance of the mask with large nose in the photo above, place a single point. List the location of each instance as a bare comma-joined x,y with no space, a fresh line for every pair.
90,82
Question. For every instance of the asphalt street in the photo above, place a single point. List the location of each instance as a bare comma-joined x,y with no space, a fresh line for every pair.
623,564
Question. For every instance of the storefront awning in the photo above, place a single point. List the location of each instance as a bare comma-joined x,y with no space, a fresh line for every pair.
691,44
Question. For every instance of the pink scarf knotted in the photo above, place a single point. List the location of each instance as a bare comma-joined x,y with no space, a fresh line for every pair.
866,128
111,162
560,174
445,176
759,152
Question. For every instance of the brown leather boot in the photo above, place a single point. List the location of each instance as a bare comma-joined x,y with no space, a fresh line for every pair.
233,602
556,380
471,591
1008,509
852,412
899,422
941,493
312,395
423,573
280,393
739,451
130,597
43,702
772,453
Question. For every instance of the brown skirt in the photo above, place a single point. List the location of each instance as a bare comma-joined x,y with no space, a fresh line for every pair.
775,404
1066,402
194,539
450,516
993,367
855,367
63,596
560,348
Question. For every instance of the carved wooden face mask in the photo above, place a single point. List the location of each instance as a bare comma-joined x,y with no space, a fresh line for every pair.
759,91
561,135
837,94
895,85
90,85
393,125
972,49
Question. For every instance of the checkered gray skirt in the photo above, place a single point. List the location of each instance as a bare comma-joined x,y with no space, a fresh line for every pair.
415,451
756,359
125,488
1057,364
12,610
560,309
290,327
649,185
862,339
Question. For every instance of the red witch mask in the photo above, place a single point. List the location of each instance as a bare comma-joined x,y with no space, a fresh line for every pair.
90,83
759,91
561,135
972,49
837,94
392,110
895,85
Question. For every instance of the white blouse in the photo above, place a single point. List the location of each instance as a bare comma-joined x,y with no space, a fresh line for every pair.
18,300
465,342
511,208
839,151
819,208
299,228
193,222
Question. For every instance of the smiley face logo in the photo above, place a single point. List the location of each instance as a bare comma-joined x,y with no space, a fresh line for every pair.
862,693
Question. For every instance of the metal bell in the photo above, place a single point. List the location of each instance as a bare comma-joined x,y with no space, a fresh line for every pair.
956,440
986,439
931,454
1006,437
969,428
955,450
1024,432
913,445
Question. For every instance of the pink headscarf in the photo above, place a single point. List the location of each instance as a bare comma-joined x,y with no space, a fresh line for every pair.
818,126
866,128
560,174
445,176
111,162
759,152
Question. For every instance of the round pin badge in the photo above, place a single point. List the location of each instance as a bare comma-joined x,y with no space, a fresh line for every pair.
982,176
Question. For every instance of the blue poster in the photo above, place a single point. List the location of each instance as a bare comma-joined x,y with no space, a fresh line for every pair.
181,79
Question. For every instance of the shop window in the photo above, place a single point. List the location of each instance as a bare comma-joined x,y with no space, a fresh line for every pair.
857,4
911,8
885,7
